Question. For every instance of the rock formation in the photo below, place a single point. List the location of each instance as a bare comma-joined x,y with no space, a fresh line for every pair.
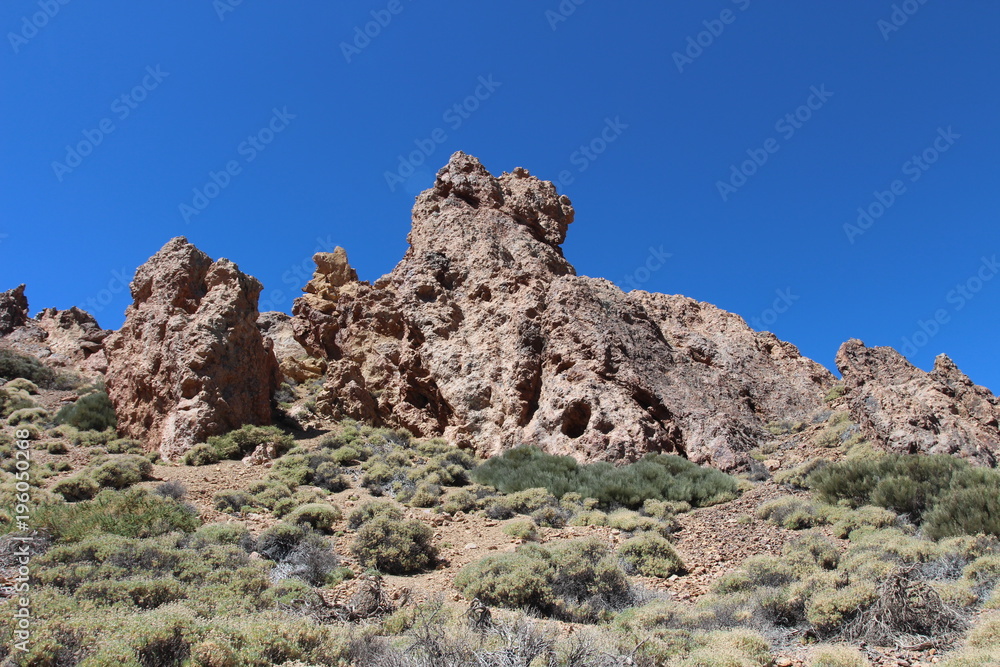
69,339
293,360
907,410
189,361
13,310
484,333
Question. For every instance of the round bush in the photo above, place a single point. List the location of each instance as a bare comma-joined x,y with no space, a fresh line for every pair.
201,455
393,546
651,555
319,516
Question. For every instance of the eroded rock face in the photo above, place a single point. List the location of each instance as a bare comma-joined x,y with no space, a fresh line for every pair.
189,362
68,339
484,333
13,310
909,411
293,360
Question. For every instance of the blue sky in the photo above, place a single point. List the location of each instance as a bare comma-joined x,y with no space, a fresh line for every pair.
737,137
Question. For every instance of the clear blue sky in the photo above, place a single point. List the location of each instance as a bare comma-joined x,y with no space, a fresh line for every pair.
200,78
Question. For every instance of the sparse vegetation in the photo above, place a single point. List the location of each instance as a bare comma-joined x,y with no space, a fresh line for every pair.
90,412
656,477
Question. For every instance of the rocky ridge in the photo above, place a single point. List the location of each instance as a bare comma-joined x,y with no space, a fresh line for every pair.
484,333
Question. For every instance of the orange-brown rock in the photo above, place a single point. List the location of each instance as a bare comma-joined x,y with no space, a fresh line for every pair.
189,362
909,411
484,333
65,339
13,310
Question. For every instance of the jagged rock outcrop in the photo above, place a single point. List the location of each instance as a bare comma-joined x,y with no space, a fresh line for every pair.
69,339
485,334
13,310
907,410
189,361
293,360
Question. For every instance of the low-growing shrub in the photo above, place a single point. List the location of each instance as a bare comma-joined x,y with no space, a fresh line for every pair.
133,512
459,500
22,384
56,447
28,416
651,555
237,444
78,487
121,472
836,656
233,501
371,510
13,365
91,412
790,512
658,477
201,454
394,546
171,489
318,516
522,529
578,580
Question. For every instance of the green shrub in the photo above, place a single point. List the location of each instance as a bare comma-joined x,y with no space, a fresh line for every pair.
651,555
12,400
522,529
222,533
56,447
122,472
790,512
658,477
143,593
78,487
577,580
813,549
237,444
22,384
459,500
837,656
797,477
91,412
967,510
393,546
13,365
233,500
371,510
133,512
319,516
201,454
28,416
